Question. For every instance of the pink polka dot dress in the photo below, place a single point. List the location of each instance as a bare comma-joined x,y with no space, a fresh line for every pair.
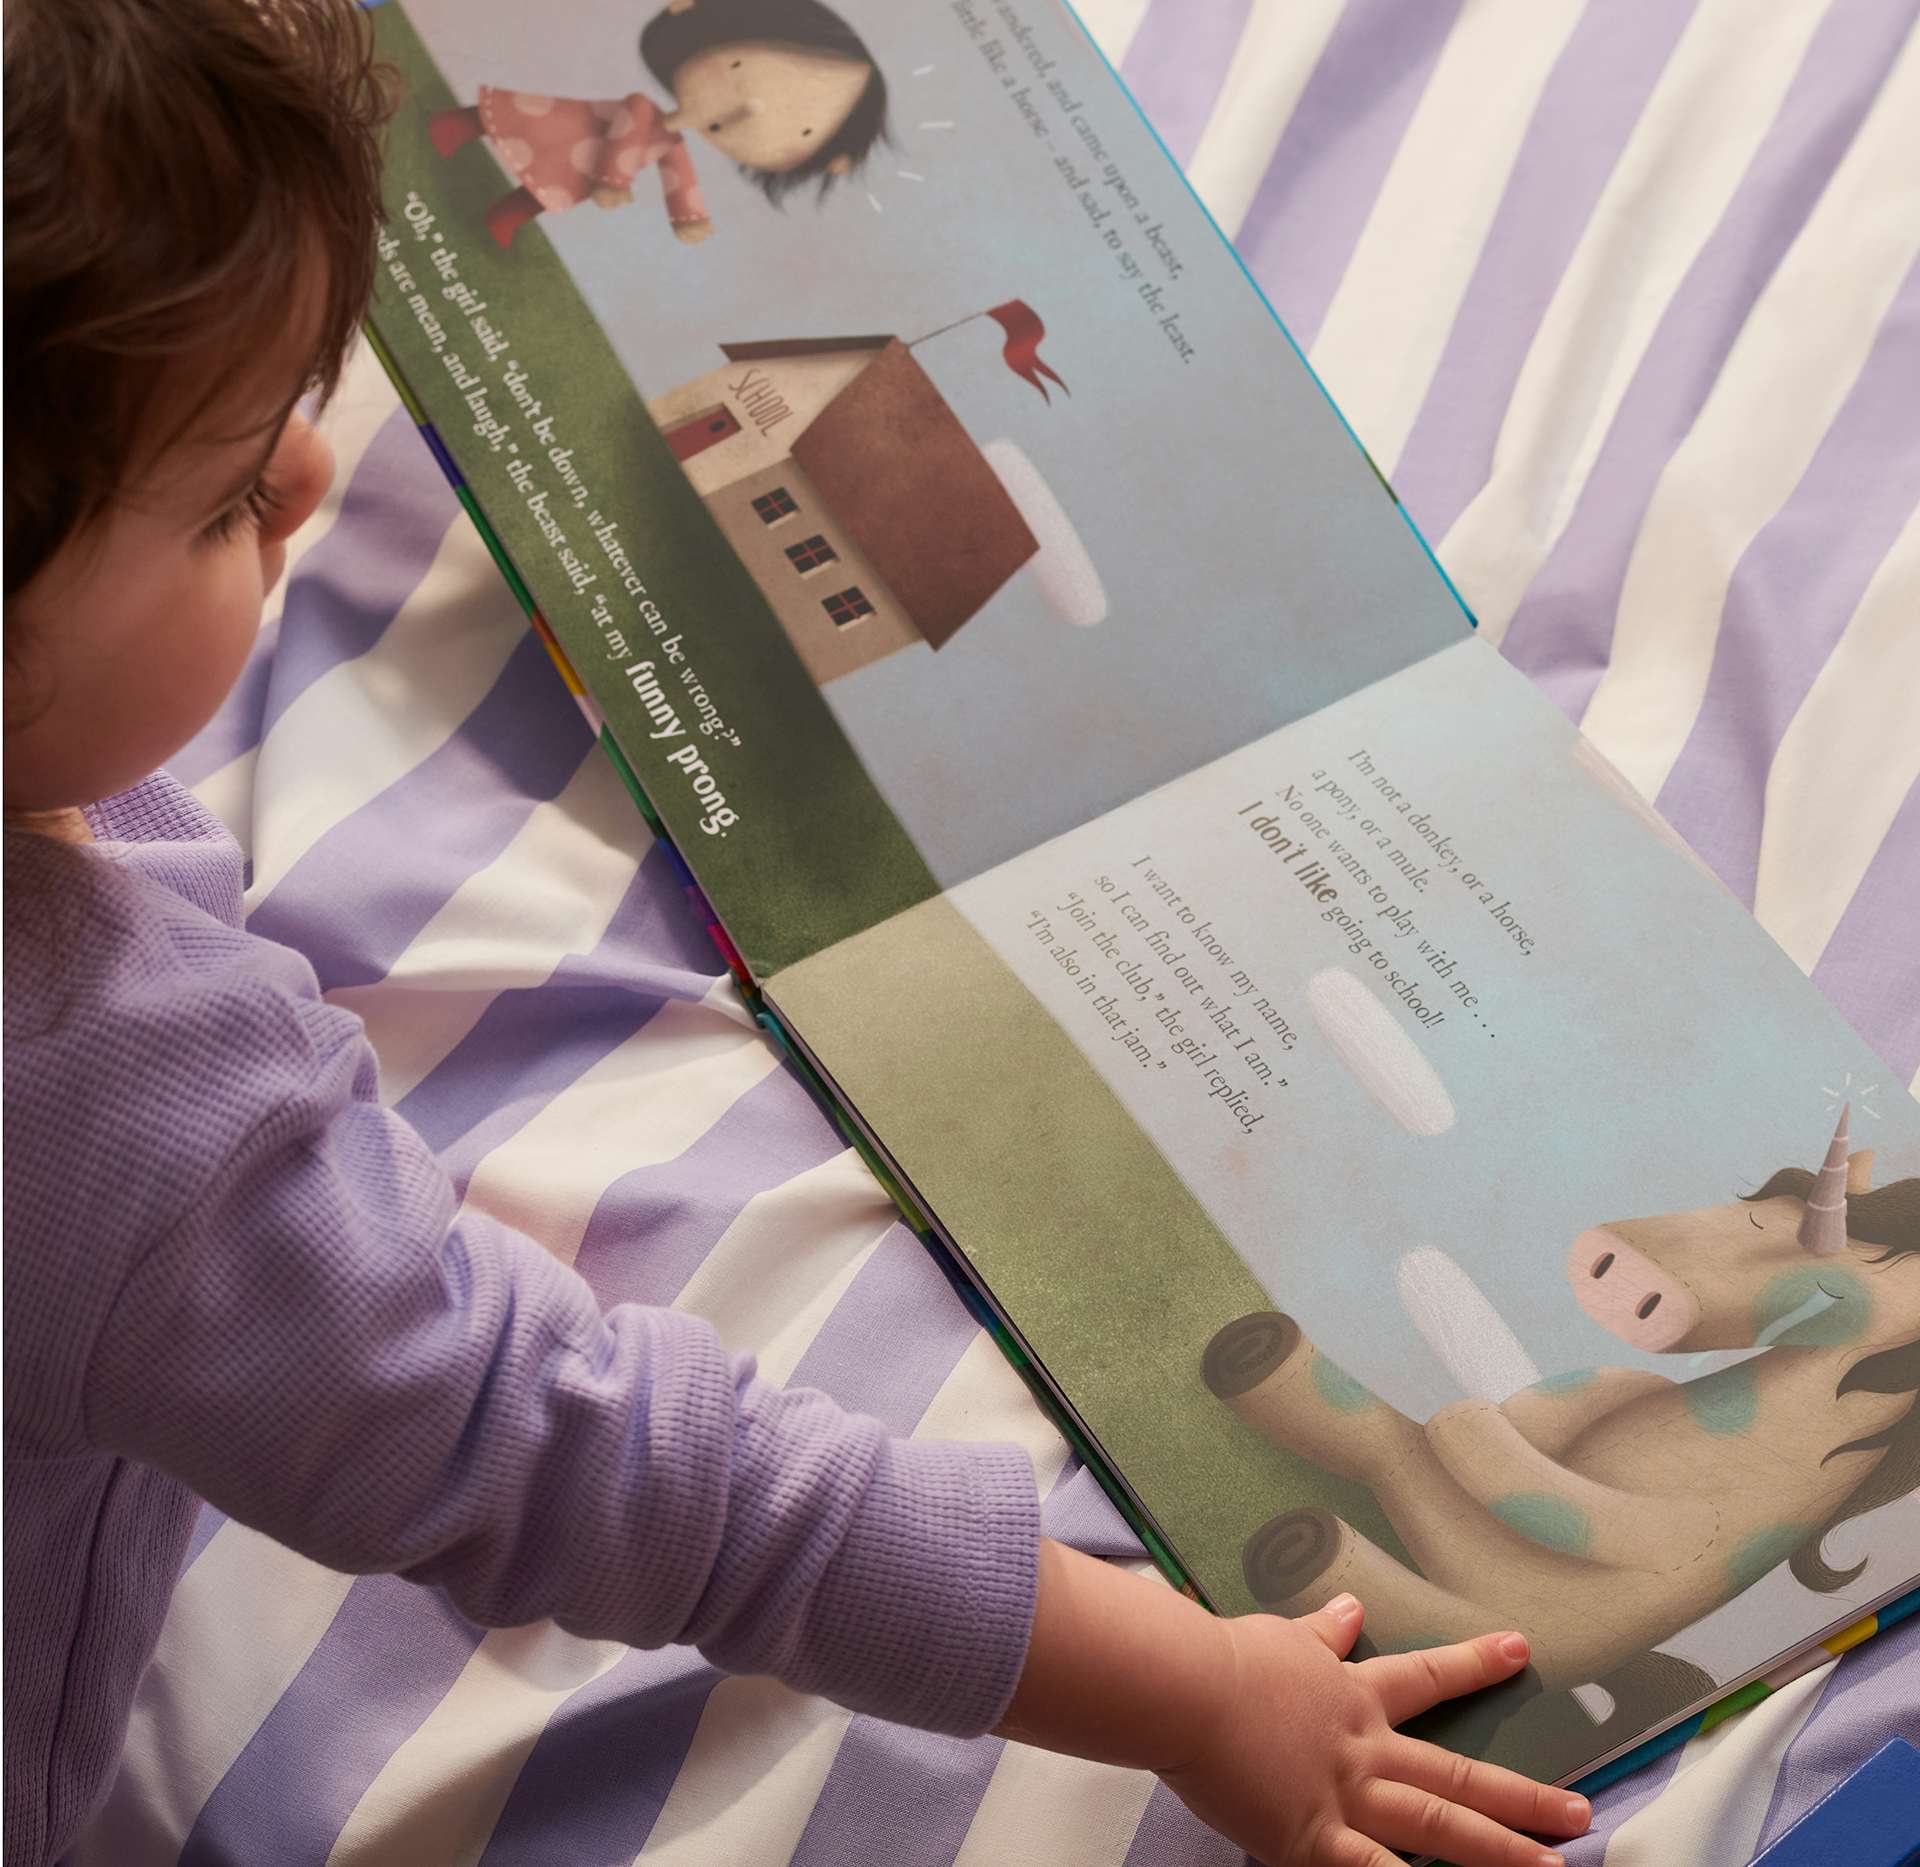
560,149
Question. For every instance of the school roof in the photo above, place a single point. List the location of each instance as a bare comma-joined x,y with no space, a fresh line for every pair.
912,488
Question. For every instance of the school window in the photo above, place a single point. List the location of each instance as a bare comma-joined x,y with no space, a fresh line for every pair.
847,606
810,554
775,505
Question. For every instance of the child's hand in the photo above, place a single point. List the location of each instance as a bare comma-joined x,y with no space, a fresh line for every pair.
1302,1765
692,231
1266,1732
612,197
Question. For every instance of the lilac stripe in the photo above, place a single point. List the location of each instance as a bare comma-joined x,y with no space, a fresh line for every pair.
1791,596
654,1226
404,854
386,1660
1305,218
1586,114
859,1355
531,1042
1170,1835
1079,1513
1177,65
1872,1695
1870,970
347,589
206,1527
594,1782
1562,632
903,1797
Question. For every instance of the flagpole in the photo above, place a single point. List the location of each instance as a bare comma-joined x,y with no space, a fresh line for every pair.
915,342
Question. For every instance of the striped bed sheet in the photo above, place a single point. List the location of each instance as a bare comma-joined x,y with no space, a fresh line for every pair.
1623,297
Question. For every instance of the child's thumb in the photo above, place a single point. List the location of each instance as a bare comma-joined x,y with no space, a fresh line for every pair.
1337,1625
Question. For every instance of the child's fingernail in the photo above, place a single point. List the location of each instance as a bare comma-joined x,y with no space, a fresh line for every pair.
1551,1859
1343,1607
1579,1810
1514,1646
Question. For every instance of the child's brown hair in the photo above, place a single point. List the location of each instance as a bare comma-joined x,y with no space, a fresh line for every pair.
176,172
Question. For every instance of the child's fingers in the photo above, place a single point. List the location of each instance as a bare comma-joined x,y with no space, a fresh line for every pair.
1506,1795
1410,1683
1418,1823
1337,1625
1345,1847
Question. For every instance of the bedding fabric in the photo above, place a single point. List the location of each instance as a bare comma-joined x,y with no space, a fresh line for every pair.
1624,297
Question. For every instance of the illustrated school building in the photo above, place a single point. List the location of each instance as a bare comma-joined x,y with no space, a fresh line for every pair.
865,512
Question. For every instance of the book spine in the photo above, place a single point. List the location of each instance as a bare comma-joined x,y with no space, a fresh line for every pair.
1751,1693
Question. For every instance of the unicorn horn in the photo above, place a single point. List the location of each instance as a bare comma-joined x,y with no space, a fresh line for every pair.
1824,1228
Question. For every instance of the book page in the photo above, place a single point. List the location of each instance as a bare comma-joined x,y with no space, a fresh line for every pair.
1401,1159
901,514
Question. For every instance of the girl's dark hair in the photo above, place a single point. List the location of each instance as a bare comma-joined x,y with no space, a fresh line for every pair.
176,172
669,39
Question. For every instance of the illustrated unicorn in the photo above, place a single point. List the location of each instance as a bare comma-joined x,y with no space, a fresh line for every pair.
1600,1512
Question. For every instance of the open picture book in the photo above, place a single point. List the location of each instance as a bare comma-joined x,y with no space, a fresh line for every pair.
1400,1166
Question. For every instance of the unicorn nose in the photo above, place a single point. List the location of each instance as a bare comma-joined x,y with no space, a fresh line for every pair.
1629,1295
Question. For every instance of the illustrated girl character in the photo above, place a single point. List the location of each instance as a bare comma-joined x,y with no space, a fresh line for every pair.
784,87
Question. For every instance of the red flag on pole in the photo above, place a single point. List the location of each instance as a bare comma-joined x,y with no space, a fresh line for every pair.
1024,332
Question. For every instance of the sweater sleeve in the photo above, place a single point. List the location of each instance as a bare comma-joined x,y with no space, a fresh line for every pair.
327,1351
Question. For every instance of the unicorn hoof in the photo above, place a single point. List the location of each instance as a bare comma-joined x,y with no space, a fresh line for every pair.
1244,1353
1286,1553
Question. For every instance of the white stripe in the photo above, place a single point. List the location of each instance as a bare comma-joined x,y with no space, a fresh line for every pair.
1798,355
1705,120
1061,1810
773,1278
1389,320
1708,1813
643,1103
550,893
228,793
983,1399
367,722
1278,49
1113,23
1840,776
243,1621
751,1777
362,405
439,1795
360,408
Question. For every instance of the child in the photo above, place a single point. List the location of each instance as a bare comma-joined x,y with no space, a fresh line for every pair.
784,87
233,1275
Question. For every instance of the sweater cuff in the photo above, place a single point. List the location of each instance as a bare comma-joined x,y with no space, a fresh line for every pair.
931,1592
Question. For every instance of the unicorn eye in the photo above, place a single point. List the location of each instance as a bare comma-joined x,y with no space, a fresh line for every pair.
1755,1223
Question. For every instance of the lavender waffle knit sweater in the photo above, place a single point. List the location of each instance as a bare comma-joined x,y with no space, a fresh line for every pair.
232,1275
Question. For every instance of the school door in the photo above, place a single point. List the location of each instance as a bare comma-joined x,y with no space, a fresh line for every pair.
701,431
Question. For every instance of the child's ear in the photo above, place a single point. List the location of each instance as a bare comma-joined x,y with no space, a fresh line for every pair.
842,164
